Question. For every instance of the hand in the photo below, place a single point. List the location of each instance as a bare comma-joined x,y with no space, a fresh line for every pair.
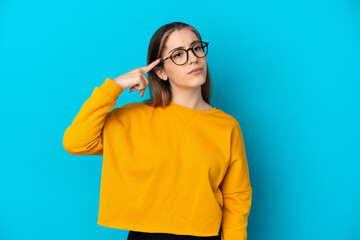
136,78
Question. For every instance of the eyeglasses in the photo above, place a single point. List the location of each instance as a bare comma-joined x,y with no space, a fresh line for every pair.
180,56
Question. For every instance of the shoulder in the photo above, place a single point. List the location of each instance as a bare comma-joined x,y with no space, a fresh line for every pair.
228,118
231,123
129,109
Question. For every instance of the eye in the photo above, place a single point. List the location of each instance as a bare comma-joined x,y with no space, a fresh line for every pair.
177,55
198,47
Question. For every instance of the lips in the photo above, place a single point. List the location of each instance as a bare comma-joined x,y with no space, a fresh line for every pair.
195,69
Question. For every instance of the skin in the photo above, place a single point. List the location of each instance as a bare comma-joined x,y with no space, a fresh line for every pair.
186,88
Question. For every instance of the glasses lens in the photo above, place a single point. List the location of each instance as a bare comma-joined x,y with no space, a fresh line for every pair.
200,49
179,56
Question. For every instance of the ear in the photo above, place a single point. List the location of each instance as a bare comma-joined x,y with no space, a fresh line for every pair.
161,73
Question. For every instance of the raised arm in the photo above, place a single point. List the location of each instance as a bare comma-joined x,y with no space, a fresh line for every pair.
84,135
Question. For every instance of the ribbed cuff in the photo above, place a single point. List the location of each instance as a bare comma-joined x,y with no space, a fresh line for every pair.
111,88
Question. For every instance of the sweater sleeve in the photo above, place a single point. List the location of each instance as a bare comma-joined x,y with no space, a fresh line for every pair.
84,136
236,190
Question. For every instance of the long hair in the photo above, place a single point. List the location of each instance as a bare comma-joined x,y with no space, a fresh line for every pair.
160,91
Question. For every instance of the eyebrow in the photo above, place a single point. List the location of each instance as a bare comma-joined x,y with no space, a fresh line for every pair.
181,47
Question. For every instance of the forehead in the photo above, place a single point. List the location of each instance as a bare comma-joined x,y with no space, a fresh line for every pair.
178,38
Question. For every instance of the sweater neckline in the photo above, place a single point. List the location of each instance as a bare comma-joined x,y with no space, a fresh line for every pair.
184,109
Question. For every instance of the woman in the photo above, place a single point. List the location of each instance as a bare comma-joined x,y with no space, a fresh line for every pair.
174,167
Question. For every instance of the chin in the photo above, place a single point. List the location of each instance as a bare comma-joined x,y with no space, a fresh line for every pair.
197,81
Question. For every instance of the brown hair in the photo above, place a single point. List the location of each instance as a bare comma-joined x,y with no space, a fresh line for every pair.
160,91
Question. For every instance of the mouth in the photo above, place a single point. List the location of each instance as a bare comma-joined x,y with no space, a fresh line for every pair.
195,71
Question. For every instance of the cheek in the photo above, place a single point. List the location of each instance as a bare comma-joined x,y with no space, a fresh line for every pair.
176,72
170,69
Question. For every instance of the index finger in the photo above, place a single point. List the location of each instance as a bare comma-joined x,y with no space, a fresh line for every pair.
150,66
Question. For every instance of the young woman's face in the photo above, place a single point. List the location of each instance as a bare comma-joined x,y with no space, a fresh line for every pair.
179,75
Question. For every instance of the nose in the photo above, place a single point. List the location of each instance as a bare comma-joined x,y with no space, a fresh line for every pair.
192,57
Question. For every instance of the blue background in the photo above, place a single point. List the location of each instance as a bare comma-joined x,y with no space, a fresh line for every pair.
288,71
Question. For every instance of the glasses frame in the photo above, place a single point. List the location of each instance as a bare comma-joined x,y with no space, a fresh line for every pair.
205,44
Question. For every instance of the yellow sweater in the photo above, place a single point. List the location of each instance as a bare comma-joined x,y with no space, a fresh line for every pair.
172,170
